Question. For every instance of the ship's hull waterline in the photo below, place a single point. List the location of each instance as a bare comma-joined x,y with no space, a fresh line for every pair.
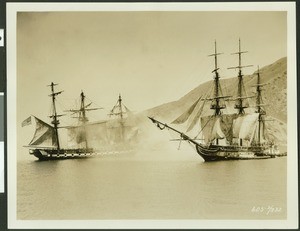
219,153
52,154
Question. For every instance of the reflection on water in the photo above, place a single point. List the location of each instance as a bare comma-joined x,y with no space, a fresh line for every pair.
135,186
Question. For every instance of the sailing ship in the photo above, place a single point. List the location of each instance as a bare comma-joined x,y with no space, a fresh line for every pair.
233,136
84,139
122,132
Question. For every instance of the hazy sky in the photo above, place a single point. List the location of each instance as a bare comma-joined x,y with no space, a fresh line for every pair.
149,57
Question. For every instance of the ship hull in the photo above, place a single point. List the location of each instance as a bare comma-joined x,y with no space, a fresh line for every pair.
221,153
53,154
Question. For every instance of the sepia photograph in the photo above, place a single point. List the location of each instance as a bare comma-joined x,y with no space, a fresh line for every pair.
149,115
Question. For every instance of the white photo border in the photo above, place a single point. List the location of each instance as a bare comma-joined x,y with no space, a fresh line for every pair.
292,169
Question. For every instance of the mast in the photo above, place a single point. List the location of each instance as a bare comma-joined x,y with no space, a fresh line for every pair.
121,116
120,106
215,105
240,97
54,115
82,114
117,109
82,111
239,105
259,109
119,113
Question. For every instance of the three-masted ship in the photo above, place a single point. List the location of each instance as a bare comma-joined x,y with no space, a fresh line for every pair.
84,139
233,136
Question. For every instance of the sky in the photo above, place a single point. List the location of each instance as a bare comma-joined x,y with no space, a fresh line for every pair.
150,58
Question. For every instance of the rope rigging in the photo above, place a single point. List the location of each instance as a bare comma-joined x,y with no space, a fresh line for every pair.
161,127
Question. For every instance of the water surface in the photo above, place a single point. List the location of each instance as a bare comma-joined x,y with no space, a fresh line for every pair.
152,185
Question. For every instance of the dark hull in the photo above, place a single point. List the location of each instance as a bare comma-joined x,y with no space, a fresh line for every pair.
220,153
53,154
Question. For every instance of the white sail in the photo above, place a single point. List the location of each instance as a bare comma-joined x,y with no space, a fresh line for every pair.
217,132
217,127
226,123
44,134
211,128
207,123
237,123
245,126
195,117
183,117
262,133
260,136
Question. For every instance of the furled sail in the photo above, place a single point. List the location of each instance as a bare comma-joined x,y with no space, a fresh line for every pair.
44,134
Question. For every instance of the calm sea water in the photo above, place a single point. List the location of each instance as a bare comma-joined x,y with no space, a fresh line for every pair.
151,185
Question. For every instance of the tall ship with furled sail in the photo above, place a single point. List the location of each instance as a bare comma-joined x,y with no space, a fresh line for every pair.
84,138
227,136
